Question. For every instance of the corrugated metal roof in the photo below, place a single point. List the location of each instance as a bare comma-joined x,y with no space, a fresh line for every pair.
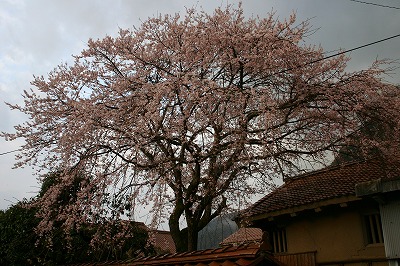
318,186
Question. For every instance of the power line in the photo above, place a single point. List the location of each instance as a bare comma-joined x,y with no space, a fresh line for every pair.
7,152
357,48
340,53
368,3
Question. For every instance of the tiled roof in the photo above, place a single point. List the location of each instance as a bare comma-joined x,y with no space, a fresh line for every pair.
241,255
162,241
323,185
243,235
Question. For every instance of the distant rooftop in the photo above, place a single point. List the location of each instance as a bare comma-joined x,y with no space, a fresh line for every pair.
243,236
163,241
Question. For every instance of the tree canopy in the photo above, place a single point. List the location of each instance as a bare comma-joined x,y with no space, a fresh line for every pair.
193,115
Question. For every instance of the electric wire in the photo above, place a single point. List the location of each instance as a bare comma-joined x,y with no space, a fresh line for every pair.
374,4
337,54
356,48
8,152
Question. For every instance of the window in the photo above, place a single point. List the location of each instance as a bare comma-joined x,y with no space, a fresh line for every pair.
278,240
373,227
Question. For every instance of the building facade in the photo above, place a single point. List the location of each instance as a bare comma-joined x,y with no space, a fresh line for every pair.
318,219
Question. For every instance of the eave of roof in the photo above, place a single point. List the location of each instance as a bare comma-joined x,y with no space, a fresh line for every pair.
313,206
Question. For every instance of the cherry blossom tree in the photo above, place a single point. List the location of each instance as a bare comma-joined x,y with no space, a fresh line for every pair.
193,115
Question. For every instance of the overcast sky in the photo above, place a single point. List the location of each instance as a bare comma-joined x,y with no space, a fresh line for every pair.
37,35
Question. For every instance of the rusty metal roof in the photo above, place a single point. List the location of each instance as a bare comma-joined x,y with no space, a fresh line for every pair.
316,187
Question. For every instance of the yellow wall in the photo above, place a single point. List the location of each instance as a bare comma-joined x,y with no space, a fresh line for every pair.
335,236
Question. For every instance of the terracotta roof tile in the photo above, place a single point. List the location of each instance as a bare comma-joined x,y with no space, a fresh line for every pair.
318,186
241,255
163,241
243,235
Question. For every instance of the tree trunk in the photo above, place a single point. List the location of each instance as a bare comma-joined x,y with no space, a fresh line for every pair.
180,239
192,236
185,239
